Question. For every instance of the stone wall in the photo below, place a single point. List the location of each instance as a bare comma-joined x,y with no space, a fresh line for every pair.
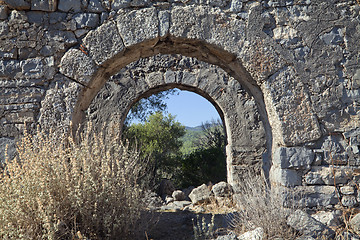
297,62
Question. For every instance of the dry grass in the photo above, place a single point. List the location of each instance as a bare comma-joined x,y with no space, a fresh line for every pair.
57,189
258,206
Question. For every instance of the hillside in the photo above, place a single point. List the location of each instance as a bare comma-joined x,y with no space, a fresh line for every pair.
189,139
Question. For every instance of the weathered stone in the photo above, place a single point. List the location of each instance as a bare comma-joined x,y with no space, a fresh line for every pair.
4,28
164,23
348,201
200,194
44,5
294,157
86,20
355,223
313,178
75,64
222,189
314,196
347,190
306,224
236,6
69,6
285,177
256,234
7,149
9,68
178,195
32,68
230,236
330,219
18,4
104,42
118,4
95,6
3,12
66,37
137,26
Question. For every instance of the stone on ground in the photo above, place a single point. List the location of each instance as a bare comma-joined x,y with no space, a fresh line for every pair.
200,194
256,234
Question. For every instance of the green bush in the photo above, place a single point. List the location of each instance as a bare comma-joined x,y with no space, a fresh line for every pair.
58,189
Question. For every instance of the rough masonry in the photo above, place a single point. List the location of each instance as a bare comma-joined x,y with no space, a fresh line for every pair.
284,76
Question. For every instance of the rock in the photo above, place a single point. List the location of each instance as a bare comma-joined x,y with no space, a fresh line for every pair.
285,177
307,225
348,201
18,4
230,236
166,188
200,194
187,192
347,190
347,236
69,6
9,144
104,42
168,199
86,20
236,5
293,157
95,6
355,223
152,200
256,234
222,189
3,12
330,219
178,195
41,5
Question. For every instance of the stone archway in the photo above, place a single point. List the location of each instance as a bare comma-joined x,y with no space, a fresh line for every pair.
246,142
210,35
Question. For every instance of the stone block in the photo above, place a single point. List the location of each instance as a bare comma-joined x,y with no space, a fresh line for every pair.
307,225
77,65
104,42
347,190
293,157
7,149
138,26
355,223
86,20
164,22
200,194
155,79
330,219
69,5
178,195
4,28
222,189
256,234
315,196
95,6
118,4
9,68
349,201
284,177
32,68
3,12
18,4
43,5
236,5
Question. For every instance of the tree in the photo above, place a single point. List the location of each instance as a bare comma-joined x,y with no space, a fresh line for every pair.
148,106
159,139
208,161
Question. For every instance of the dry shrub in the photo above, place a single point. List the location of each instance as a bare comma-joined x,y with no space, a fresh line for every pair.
58,189
259,206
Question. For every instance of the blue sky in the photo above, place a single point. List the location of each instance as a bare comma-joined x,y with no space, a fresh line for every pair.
191,109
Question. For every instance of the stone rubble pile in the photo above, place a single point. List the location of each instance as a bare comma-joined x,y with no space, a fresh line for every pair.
319,224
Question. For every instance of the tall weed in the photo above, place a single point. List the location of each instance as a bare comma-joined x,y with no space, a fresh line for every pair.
59,189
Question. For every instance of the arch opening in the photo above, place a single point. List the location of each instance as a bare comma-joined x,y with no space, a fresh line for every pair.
246,140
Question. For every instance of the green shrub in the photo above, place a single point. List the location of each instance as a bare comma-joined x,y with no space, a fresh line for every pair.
58,189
